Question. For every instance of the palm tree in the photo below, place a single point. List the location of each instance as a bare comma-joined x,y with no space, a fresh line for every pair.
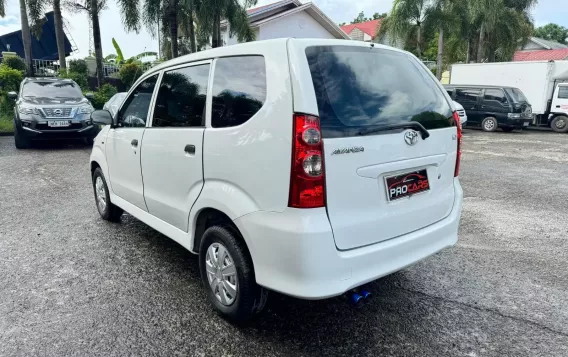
36,9
26,38
93,8
233,13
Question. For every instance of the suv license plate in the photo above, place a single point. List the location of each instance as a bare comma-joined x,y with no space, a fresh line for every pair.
526,124
58,123
407,184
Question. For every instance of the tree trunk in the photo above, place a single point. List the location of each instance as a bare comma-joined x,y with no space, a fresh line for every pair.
440,54
59,34
218,24
97,42
419,41
26,38
174,34
191,28
216,29
468,53
480,49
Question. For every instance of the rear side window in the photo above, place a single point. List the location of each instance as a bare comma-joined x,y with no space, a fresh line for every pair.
181,98
239,90
495,94
563,92
362,87
467,94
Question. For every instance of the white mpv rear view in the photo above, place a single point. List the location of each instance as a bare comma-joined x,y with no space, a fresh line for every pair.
304,166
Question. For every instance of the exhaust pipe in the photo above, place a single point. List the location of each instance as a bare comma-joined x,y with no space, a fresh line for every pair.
357,296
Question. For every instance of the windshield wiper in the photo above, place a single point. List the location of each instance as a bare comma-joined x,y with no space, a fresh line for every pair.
408,125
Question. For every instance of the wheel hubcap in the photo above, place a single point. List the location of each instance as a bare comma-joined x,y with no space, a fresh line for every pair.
221,273
489,124
100,194
560,123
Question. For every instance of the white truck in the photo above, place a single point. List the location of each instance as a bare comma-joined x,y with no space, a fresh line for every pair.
544,83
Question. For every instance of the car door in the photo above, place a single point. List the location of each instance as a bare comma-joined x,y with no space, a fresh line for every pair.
494,103
560,99
172,157
468,98
124,144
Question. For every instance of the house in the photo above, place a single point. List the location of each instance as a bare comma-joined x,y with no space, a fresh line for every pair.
367,31
538,49
287,18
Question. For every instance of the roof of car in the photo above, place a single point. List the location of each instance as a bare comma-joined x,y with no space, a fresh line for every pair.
475,86
46,79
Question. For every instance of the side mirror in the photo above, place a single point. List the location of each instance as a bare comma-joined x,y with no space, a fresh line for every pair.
102,117
89,95
12,95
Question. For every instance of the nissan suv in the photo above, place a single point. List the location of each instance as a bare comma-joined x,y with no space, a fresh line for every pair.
309,167
51,108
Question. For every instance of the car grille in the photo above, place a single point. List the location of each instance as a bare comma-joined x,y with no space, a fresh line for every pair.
57,112
461,113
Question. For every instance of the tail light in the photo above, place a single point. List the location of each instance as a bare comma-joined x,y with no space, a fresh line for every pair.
307,180
458,155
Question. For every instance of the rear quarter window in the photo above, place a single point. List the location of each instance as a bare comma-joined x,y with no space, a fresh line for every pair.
360,87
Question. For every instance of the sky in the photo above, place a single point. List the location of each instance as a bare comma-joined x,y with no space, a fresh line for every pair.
132,44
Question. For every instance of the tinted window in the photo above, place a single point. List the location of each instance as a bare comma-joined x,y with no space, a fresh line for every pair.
467,94
52,89
360,87
495,94
239,90
134,112
181,98
450,92
563,92
517,95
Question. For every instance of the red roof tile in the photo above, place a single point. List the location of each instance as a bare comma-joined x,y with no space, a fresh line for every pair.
368,27
543,55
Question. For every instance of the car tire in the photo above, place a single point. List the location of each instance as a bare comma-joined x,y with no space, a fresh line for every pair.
508,129
560,124
233,292
106,209
489,124
21,141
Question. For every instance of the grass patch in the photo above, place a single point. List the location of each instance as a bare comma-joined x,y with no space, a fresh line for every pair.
6,123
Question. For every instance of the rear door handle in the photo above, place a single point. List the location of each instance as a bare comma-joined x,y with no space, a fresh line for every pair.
134,142
189,149
557,106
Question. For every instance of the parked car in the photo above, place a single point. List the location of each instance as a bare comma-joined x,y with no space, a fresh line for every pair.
51,108
461,112
114,103
493,107
223,151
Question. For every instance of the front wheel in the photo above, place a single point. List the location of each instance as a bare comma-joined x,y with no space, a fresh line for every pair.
106,209
228,276
560,124
489,124
21,141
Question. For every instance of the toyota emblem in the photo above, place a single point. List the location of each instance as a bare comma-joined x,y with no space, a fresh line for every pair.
411,137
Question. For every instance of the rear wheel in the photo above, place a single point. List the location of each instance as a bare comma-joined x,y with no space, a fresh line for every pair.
227,273
21,141
508,129
106,209
560,124
489,124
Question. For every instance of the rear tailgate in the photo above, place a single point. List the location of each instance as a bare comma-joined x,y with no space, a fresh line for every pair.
380,183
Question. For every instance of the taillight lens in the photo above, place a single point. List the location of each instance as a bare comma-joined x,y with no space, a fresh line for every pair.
307,175
458,155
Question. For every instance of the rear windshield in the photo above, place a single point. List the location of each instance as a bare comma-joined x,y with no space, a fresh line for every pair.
362,87
52,89
516,94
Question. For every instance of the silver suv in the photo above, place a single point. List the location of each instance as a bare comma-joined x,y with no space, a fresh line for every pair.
51,108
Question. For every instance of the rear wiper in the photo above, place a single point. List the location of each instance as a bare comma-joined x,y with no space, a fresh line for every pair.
408,125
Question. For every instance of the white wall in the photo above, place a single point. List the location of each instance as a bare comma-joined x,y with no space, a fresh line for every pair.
299,25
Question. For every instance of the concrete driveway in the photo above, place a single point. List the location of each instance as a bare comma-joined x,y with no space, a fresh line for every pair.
73,284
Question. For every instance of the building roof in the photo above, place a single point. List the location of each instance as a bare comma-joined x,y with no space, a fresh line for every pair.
368,27
547,44
45,48
541,55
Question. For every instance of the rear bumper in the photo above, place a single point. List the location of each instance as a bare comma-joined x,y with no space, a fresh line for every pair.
294,253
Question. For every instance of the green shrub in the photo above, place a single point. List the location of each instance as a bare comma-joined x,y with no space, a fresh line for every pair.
14,62
102,95
78,66
79,78
129,73
10,78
